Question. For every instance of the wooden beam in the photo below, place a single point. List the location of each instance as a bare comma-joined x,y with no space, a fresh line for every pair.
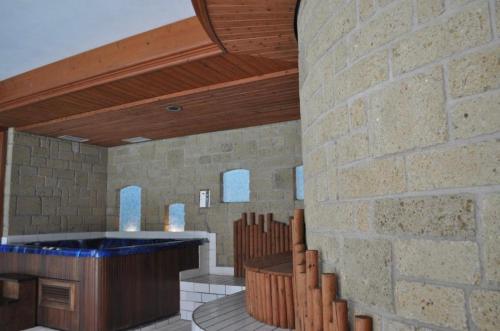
163,98
172,44
200,7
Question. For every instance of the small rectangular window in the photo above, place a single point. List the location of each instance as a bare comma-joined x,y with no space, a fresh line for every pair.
299,183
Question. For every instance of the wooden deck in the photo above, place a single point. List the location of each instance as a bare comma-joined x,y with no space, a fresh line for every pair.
227,314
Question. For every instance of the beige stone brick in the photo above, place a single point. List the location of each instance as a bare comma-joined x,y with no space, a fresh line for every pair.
433,216
397,326
340,216
337,26
372,178
371,259
340,54
466,29
332,183
436,305
361,76
382,29
498,14
357,113
468,165
475,73
491,232
485,309
453,261
334,124
429,9
366,9
316,162
329,247
408,114
352,147
384,3
475,117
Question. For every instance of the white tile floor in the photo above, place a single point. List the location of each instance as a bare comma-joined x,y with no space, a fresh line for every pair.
171,324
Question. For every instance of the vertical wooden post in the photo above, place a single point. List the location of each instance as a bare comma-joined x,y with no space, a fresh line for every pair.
363,323
290,315
329,293
282,302
312,283
317,310
340,307
274,299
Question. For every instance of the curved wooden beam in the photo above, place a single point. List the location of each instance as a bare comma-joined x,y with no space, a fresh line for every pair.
201,10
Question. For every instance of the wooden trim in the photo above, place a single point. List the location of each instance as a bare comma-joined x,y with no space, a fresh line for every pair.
163,98
145,52
201,10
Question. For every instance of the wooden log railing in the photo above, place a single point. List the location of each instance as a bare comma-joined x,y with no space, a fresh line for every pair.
317,308
258,237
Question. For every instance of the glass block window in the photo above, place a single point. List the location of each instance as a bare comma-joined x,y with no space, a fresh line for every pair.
236,186
176,215
130,208
299,183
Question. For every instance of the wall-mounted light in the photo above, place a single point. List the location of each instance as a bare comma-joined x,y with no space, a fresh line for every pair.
135,140
73,138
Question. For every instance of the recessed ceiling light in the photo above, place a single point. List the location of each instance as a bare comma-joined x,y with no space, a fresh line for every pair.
74,139
135,140
173,108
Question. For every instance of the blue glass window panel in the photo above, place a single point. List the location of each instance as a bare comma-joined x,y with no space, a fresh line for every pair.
130,208
299,182
236,186
176,215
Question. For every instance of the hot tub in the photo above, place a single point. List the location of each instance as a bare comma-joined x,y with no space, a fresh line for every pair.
103,283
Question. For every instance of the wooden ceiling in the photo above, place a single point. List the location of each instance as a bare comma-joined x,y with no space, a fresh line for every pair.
232,66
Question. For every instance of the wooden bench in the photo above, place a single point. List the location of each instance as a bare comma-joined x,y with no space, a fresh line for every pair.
17,302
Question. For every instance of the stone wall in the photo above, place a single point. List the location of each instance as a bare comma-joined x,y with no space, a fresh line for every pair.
400,106
175,170
55,186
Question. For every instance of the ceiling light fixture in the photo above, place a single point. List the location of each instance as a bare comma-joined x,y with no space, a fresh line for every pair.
135,140
74,138
173,108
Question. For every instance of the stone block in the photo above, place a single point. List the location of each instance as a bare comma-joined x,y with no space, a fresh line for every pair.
450,261
474,117
366,9
397,326
498,14
28,206
408,114
352,147
467,165
427,10
372,178
362,75
357,113
441,306
372,260
316,162
328,246
491,232
383,28
450,217
475,73
466,29
485,309
334,124
21,155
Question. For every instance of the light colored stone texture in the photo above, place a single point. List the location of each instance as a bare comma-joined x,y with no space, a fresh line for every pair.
475,73
357,112
408,114
451,261
366,9
467,165
485,309
466,29
337,26
384,3
474,117
427,216
361,76
330,247
316,162
372,178
397,326
491,232
372,259
382,28
436,305
340,216
429,9
334,124
498,15
352,147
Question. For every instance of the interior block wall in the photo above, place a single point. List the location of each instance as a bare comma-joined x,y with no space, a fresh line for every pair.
56,186
175,170
400,107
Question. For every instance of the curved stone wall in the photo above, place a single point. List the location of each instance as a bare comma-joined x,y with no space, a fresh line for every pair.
400,106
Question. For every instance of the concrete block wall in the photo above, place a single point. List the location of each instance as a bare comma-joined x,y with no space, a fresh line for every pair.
400,107
175,170
55,186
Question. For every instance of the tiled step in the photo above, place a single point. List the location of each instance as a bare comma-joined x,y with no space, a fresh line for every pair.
202,289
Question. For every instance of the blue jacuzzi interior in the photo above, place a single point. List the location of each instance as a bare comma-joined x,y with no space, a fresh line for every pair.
100,247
